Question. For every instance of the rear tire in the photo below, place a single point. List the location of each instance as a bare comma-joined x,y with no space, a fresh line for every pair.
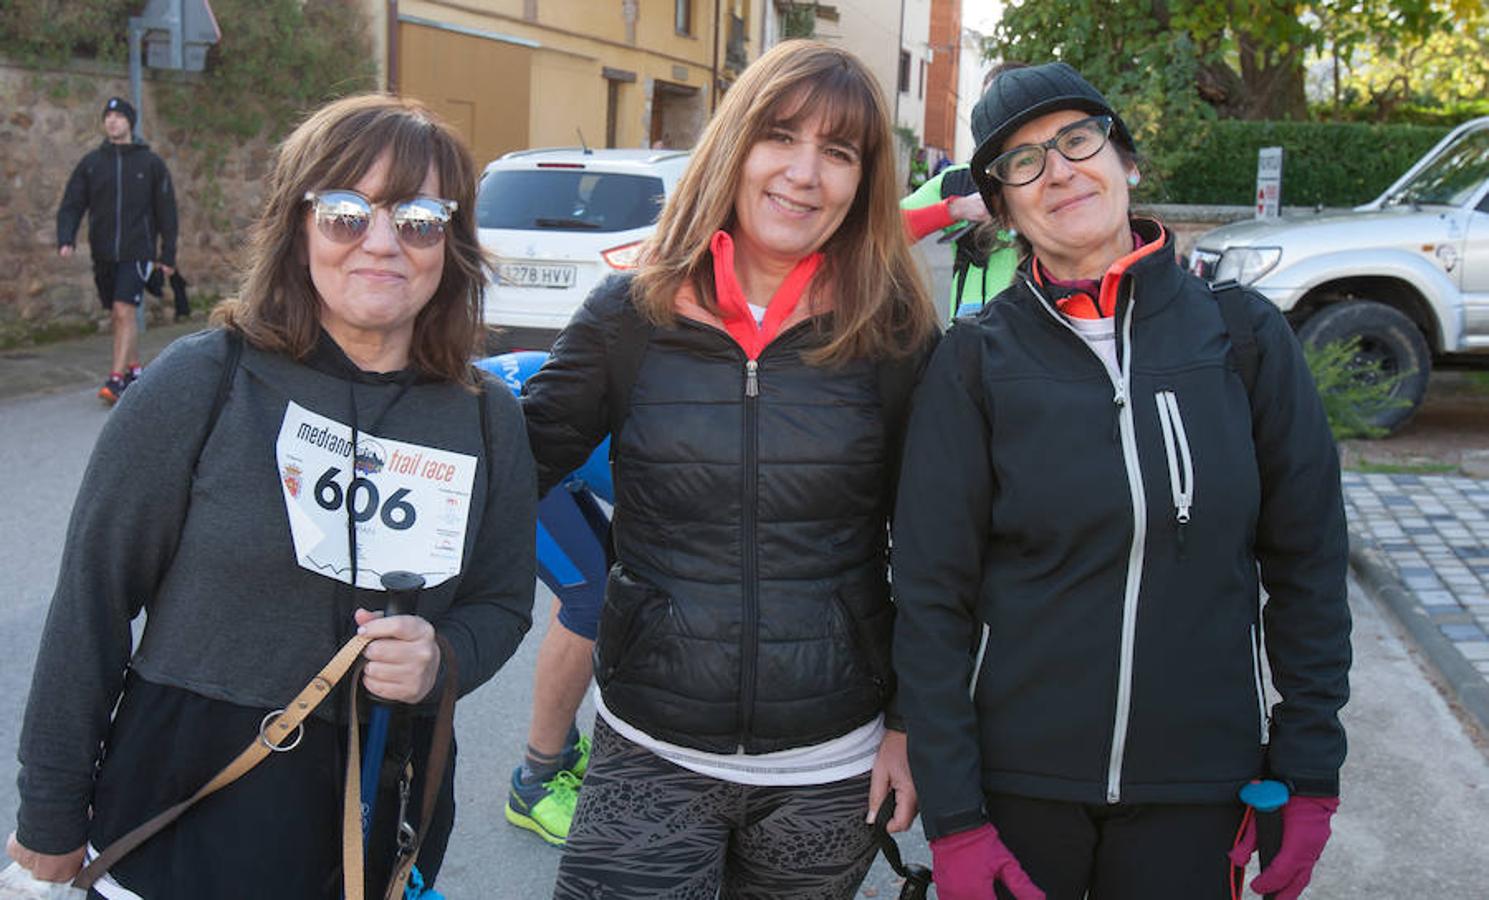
1388,339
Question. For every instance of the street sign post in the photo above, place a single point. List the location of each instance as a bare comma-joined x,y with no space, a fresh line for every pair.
1269,183
175,34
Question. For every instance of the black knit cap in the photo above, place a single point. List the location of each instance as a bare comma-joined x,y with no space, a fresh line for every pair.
1019,96
121,106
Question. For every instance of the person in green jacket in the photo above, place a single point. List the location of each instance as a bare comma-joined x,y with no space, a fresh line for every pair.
985,256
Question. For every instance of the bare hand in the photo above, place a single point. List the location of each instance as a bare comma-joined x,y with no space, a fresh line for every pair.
968,208
64,251
166,270
892,773
45,866
403,658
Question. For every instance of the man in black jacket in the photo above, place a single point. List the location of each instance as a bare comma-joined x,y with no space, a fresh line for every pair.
126,191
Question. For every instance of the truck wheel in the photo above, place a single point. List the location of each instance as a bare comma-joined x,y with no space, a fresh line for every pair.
1389,341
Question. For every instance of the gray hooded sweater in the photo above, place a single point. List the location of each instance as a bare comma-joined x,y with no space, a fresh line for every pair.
193,528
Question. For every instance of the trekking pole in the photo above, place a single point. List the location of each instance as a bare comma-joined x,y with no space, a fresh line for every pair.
403,600
1266,799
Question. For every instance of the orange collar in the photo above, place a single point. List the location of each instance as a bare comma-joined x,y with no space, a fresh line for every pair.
737,318
1079,305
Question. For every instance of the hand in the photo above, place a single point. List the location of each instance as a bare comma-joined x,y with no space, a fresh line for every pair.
45,866
1305,830
166,270
64,251
966,865
403,658
968,208
892,773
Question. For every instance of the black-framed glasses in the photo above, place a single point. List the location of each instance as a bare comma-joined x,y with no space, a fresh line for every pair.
344,216
1081,139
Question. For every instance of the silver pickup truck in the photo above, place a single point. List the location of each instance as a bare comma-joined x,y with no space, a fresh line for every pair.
1407,273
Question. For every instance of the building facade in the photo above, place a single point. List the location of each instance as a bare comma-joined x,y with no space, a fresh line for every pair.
942,86
513,74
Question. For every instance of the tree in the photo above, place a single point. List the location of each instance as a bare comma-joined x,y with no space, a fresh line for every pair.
1440,60
1246,57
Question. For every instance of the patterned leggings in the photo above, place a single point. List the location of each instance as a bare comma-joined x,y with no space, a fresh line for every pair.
646,828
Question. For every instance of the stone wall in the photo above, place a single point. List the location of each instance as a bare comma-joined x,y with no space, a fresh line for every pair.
48,120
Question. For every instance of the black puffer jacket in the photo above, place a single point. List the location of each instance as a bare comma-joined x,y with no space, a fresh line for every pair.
749,607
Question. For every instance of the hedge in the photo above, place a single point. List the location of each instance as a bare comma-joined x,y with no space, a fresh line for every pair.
1328,163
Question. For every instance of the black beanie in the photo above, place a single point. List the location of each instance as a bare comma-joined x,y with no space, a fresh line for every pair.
121,106
1019,96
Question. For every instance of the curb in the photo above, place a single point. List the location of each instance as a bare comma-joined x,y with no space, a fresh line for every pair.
1464,683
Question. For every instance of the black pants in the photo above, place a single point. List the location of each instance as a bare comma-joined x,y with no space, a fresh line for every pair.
1120,852
275,832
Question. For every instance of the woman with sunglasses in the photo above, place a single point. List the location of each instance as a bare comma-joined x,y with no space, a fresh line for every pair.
742,657
336,432
1091,483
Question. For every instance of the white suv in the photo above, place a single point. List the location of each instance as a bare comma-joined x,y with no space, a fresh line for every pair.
558,221
1407,273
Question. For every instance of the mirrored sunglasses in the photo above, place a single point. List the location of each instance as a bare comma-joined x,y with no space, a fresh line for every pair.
344,216
1081,139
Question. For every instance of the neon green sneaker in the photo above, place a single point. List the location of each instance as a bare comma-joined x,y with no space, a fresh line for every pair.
545,809
579,753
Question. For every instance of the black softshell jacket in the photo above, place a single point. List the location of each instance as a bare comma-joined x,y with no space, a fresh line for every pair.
749,608
131,205
1076,559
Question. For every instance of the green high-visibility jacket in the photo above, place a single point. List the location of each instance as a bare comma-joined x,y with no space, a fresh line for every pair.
976,277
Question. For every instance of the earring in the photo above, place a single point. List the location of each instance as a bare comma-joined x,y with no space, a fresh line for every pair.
1133,178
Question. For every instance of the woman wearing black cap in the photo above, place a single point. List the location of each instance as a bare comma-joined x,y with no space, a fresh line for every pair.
1097,466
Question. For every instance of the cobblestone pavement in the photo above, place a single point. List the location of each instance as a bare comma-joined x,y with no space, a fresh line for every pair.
1434,531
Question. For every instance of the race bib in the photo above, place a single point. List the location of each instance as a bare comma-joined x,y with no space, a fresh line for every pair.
410,503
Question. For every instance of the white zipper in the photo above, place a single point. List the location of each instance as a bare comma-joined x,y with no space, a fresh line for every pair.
1261,692
977,666
1176,446
1121,384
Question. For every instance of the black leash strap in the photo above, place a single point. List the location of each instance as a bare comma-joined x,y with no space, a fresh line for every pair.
917,878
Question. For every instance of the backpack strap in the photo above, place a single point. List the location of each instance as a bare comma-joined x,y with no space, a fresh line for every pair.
957,182
225,379
1244,353
224,388
897,378
623,365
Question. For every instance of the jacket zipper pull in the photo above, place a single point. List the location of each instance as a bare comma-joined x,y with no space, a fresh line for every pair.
1119,400
1182,518
752,382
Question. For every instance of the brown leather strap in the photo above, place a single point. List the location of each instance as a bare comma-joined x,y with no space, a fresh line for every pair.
352,875
270,737
440,743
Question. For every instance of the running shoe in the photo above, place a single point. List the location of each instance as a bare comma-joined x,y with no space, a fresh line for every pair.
113,389
577,757
545,809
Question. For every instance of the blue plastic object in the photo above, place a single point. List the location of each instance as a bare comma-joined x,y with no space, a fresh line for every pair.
515,369
572,527
1265,796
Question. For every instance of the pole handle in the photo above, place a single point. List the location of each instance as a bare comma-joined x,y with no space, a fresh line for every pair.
1268,838
403,593
1266,799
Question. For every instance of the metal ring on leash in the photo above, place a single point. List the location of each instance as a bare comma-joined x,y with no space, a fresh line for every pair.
279,748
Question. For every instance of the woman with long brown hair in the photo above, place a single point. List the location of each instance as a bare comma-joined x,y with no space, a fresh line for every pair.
754,373
334,432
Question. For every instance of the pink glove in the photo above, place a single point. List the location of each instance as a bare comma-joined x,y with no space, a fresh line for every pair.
1305,830
966,864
